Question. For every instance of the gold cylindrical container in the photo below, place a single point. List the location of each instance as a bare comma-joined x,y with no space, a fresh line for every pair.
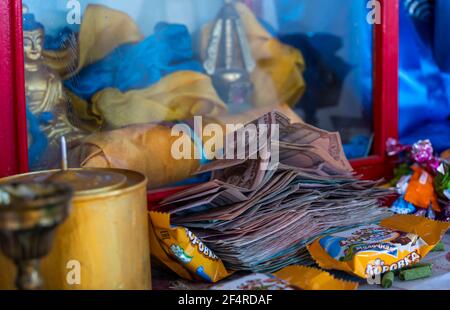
104,244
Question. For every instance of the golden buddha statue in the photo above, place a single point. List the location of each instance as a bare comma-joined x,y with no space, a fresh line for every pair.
47,104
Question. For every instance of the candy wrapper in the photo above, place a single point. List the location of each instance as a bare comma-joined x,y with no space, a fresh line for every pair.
445,213
401,206
181,251
398,242
421,153
442,181
420,191
289,278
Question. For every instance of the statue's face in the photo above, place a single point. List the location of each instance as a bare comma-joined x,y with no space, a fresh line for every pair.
33,42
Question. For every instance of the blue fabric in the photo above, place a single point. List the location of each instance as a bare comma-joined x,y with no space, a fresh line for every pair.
138,65
200,178
424,90
39,139
442,34
57,42
336,43
358,147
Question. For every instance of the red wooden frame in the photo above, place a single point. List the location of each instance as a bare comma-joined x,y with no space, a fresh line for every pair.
385,92
13,129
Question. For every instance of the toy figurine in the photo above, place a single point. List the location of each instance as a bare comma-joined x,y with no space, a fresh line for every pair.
229,60
47,107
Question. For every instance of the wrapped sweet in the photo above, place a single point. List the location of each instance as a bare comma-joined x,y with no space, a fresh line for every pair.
420,191
442,181
399,241
401,206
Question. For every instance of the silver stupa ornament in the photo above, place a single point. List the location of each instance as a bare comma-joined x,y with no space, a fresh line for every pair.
229,60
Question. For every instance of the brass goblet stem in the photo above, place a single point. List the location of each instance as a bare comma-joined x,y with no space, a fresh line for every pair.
29,216
28,275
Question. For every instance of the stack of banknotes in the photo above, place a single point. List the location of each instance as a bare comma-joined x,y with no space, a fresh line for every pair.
258,214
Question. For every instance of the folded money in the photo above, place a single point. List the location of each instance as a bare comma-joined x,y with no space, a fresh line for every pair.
259,214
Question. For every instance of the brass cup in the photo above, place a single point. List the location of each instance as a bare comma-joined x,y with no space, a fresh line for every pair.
29,215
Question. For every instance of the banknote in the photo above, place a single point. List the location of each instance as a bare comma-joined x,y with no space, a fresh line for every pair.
261,220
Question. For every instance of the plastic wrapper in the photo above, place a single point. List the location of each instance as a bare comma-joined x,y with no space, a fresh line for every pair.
308,278
182,252
288,278
420,190
401,206
398,242
442,181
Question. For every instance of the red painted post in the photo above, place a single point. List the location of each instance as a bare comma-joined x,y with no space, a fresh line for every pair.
13,128
385,92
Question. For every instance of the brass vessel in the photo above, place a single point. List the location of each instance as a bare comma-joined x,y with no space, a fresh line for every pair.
30,212
104,243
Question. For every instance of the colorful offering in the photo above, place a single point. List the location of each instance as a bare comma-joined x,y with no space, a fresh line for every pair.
180,250
289,278
420,190
398,242
416,273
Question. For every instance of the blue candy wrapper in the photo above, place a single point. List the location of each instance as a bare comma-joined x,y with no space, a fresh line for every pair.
401,206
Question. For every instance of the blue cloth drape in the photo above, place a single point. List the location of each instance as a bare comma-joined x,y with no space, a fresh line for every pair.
138,65
424,89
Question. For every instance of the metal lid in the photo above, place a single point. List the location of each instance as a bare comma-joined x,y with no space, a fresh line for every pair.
86,182
83,181
89,181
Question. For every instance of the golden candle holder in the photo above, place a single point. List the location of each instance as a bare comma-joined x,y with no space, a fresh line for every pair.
30,212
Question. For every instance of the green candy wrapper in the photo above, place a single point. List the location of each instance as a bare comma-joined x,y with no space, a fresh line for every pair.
399,171
442,181
388,279
415,273
439,247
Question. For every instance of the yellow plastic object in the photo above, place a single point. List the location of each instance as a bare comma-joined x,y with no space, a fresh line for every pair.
308,278
399,241
420,191
181,251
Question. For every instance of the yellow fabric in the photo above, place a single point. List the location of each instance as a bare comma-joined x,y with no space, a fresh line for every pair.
308,278
178,96
89,119
102,30
278,76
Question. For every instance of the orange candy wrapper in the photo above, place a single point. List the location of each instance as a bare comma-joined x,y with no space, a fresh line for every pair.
182,252
308,278
370,250
288,278
421,191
